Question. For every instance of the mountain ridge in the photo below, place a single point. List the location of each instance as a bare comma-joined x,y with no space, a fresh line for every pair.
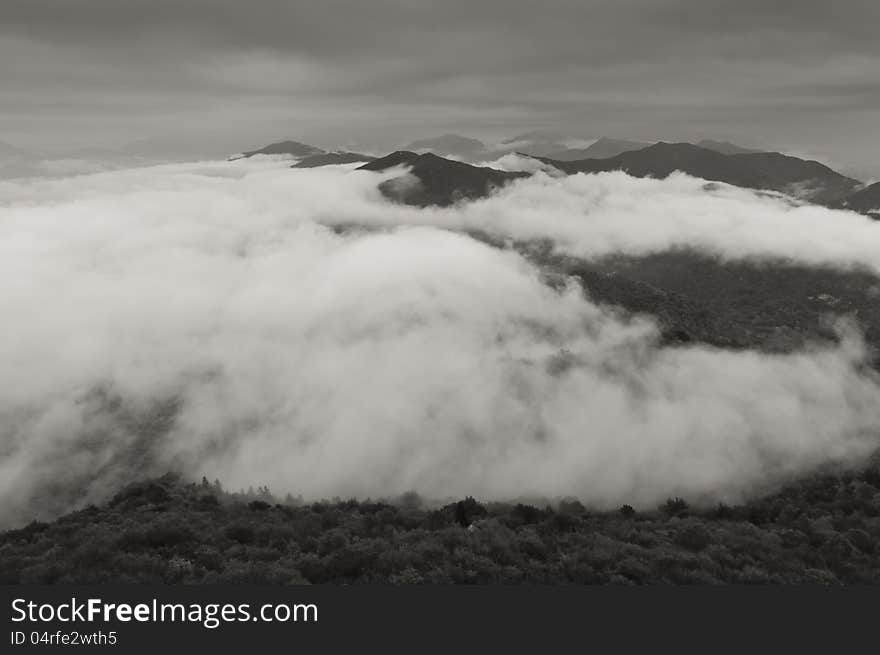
806,179
288,147
331,159
865,201
438,181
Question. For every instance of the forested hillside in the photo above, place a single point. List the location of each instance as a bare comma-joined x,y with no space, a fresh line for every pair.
825,529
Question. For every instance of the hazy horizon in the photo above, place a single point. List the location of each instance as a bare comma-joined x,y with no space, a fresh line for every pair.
211,77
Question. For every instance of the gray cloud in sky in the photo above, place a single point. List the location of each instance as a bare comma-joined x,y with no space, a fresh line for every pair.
215,76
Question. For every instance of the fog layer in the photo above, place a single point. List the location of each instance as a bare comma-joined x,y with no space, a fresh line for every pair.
213,318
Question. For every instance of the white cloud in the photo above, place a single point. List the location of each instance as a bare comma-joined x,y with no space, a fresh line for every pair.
370,363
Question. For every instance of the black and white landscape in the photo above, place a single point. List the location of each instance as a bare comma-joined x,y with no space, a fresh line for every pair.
387,293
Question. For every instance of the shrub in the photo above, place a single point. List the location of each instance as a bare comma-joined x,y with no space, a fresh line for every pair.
675,506
467,511
574,507
693,537
528,514
156,536
331,541
148,492
243,534
411,500
723,512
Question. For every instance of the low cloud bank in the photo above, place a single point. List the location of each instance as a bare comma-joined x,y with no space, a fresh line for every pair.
205,318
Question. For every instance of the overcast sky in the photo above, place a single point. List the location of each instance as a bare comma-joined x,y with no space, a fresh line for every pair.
220,76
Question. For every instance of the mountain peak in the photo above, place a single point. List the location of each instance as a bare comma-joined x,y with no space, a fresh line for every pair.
396,158
293,148
435,180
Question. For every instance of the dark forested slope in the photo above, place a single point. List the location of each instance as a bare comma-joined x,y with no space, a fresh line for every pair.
825,529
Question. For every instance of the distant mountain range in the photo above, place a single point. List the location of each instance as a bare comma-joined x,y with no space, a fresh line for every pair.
437,180
547,143
538,143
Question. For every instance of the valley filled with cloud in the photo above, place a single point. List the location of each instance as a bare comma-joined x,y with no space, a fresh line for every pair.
294,328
